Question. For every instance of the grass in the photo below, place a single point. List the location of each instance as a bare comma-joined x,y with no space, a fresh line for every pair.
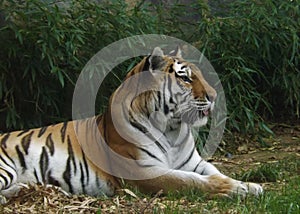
280,196
283,198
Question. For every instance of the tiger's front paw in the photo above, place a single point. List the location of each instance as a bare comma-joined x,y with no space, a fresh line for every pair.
223,185
245,188
254,189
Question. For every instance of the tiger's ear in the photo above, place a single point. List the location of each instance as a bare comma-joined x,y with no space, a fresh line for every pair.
177,52
156,59
157,52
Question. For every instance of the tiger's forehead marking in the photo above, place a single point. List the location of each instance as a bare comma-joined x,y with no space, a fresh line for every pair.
182,69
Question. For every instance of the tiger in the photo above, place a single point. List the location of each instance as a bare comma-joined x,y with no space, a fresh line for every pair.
144,139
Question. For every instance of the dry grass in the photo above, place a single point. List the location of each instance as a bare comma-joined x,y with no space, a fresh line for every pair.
41,199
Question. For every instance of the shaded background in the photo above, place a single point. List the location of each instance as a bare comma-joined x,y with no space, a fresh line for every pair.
253,46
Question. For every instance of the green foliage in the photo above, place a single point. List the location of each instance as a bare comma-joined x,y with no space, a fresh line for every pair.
264,173
45,45
253,46
255,50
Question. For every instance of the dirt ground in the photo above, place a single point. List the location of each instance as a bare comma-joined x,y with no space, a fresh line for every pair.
248,155
37,199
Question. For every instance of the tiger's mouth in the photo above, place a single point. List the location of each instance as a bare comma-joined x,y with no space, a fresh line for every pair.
207,111
205,107
197,114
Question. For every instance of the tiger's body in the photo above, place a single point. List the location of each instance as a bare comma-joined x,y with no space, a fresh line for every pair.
144,139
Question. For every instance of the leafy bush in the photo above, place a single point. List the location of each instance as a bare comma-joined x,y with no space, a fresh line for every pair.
253,45
44,46
255,50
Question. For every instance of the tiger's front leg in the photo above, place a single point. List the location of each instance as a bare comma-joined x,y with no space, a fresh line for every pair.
215,184
238,187
174,180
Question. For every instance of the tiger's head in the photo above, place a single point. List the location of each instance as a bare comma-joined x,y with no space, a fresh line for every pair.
177,92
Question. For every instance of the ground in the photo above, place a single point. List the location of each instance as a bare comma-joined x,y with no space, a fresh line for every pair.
276,167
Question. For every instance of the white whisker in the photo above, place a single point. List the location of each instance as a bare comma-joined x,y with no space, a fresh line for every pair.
182,107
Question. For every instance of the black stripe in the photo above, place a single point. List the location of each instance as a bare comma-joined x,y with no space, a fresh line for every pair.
21,158
145,130
52,180
10,175
166,109
146,64
197,165
42,131
171,69
139,126
67,175
171,100
36,176
164,104
160,146
26,142
63,131
158,104
159,97
170,85
82,178
4,161
5,153
86,167
169,88
5,178
71,154
187,160
150,154
97,180
23,132
50,144
4,139
147,165
44,162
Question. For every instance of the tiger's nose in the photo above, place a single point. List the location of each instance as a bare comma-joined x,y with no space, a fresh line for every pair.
211,96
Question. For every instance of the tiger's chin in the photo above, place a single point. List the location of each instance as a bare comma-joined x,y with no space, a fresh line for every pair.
196,118
196,121
201,121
